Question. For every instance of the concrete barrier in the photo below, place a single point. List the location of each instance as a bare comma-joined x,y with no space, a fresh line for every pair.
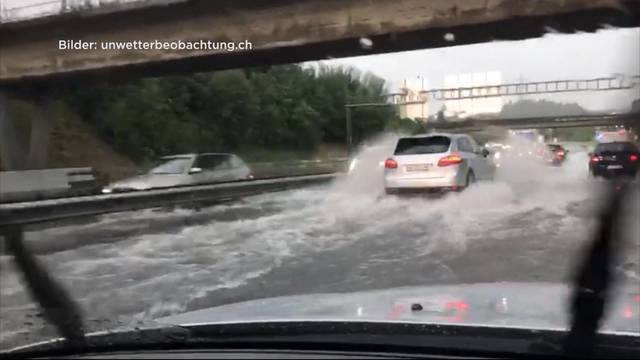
32,185
297,168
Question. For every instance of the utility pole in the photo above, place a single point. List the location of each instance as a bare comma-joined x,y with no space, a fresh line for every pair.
348,132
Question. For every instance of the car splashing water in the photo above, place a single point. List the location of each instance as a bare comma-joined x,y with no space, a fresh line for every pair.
526,225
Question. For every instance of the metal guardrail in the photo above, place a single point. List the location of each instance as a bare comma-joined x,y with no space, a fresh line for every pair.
48,210
297,168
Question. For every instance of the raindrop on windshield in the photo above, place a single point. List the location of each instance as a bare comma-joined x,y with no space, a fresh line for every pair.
366,43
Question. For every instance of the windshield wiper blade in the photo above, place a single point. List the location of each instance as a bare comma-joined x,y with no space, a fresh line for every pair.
58,308
592,284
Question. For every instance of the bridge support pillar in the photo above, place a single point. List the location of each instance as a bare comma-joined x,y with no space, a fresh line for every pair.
41,126
20,152
12,157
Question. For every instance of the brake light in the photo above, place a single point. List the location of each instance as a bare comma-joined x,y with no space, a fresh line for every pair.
595,159
633,157
390,164
560,153
450,160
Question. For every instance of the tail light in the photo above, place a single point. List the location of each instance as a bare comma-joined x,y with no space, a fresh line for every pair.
633,157
560,153
390,164
595,159
450,160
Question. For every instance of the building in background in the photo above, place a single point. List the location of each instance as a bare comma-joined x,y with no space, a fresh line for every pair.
411,93
471,107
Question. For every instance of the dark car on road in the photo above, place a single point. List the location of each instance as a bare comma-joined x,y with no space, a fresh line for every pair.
614,159
555,154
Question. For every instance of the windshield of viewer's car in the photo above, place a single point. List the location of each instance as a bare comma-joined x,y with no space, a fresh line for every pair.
351,176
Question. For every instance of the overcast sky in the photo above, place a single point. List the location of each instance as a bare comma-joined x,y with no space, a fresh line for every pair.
554,56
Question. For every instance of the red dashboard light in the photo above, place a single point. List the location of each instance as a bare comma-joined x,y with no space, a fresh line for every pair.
458,305
627,312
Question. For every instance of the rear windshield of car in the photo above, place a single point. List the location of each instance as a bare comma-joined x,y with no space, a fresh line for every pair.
423,145
616,147
554,147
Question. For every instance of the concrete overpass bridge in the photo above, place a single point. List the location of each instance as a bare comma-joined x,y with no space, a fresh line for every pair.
496,129
280,31
33,65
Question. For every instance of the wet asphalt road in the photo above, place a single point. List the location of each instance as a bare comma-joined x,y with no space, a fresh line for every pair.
531,224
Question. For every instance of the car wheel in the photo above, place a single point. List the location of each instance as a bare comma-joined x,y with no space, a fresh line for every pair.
471,178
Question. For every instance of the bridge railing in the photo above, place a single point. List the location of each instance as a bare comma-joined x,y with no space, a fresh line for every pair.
44,8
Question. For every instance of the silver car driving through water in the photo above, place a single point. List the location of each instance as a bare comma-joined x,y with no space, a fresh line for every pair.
437,161
187,169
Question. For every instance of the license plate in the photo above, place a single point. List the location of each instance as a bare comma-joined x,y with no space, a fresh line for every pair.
614,167
419,167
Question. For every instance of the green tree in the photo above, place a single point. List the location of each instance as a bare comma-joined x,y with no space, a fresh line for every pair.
281,107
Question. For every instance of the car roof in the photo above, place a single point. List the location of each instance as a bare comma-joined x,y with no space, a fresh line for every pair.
616,142
228,154
628,143
192,155
178,156
451,135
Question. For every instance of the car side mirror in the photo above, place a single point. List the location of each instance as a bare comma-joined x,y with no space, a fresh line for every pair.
195,170
484,152
590,154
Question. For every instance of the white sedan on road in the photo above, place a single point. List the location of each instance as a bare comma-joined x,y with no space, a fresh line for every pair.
436,162
187,169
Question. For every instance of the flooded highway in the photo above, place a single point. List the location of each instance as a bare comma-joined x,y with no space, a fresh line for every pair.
529,225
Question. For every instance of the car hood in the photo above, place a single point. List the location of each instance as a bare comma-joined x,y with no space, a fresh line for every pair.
148,181
530,305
